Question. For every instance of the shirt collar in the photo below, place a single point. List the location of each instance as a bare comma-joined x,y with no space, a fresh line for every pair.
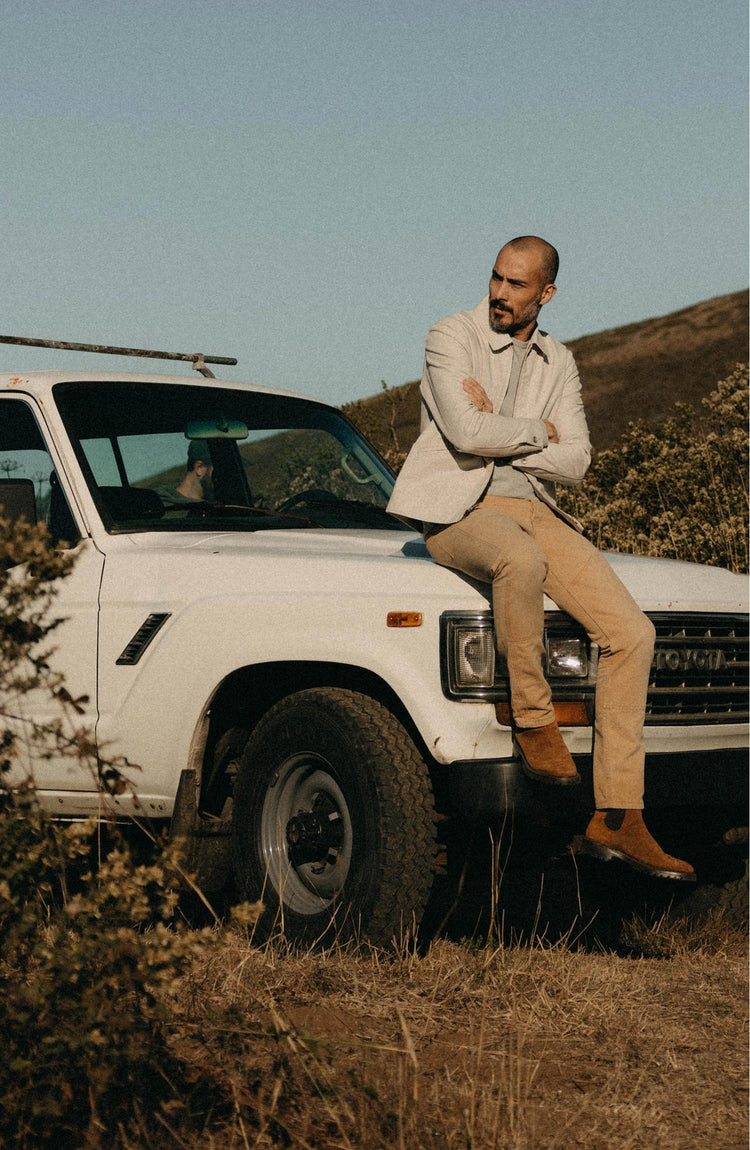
499,341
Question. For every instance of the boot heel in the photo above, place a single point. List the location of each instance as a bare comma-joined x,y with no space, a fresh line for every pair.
595,850
554,776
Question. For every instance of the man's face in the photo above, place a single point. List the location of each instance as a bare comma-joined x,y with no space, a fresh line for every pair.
205,474
518,291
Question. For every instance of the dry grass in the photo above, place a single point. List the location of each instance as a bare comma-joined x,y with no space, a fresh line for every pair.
478,1047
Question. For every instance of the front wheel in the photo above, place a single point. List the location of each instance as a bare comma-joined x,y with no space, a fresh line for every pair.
333,819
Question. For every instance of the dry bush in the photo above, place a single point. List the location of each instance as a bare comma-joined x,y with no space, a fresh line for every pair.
90,992
89,958
677,489
380,421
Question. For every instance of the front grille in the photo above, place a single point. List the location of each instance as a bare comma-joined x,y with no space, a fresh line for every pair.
700,669
699,673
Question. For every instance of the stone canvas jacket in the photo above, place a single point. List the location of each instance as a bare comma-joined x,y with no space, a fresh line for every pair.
450,466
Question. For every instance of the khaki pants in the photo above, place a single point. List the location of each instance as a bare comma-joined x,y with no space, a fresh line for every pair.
525,550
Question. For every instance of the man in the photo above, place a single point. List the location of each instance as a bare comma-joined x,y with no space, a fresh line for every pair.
502,422
197,484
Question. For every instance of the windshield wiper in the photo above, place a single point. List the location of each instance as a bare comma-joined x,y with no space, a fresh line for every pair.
208,510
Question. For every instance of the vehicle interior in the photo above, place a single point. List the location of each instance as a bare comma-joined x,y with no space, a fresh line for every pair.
164,457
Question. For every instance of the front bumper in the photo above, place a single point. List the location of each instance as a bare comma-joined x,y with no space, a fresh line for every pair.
489,789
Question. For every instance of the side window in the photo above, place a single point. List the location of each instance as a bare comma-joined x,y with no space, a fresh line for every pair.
146,460
102,461
29,487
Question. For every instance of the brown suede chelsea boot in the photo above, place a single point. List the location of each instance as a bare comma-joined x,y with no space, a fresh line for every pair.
544,756
622,834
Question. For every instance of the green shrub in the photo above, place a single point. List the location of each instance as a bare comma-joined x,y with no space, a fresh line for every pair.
677,489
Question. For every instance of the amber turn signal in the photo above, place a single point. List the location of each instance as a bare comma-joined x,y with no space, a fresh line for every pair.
568,714
404,619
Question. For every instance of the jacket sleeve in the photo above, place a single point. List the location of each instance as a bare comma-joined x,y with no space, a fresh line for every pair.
474,432
567,461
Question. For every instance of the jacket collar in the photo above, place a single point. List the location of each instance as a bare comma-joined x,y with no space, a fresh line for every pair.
499,341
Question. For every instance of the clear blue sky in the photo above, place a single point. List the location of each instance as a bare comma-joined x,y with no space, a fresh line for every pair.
309,184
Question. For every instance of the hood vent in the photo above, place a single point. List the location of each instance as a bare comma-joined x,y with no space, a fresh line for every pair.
142,638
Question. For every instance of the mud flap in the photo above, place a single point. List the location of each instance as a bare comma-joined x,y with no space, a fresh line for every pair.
205,839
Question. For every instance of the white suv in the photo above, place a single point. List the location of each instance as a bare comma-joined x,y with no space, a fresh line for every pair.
288,667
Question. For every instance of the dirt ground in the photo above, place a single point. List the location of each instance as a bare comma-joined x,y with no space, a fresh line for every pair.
504,1046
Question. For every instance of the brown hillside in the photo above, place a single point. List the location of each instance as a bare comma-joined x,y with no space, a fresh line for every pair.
642,370
634,372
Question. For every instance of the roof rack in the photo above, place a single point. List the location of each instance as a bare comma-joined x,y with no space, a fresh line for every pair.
198,360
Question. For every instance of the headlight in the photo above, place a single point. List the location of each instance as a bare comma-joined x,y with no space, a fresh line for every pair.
472,670
566,658
472,655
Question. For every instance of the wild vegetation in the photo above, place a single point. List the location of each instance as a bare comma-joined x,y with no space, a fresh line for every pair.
676,489
128,1022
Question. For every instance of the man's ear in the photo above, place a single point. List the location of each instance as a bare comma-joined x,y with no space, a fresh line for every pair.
547,293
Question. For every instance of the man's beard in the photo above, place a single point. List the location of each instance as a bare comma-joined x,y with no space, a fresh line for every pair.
509,326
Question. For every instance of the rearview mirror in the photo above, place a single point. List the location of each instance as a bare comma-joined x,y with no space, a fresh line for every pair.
219,428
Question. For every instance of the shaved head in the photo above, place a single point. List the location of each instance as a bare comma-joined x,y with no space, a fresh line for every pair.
535,245
522,282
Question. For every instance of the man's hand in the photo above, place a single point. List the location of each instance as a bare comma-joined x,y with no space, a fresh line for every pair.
552,435
477,394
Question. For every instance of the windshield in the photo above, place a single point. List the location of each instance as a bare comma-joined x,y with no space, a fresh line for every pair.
164,457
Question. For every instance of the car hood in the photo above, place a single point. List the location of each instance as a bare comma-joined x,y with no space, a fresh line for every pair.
364,562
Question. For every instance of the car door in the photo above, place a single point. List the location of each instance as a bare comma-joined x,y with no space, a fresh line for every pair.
33,486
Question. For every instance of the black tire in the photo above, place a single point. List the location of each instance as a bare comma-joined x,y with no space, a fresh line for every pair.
333,820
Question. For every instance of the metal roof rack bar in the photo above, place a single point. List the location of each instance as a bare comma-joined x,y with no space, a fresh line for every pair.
198,360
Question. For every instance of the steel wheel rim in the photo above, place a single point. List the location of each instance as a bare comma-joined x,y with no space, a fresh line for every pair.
305,783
